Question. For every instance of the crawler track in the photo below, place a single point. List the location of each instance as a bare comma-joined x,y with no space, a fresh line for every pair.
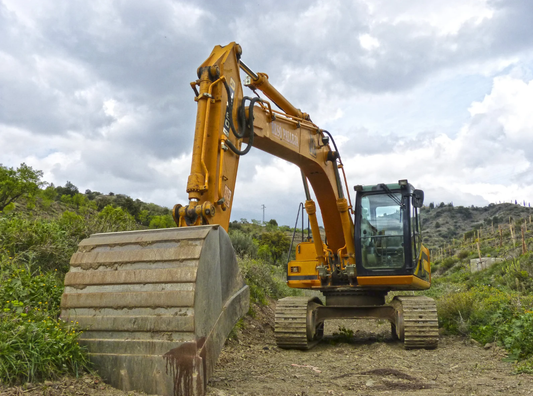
294,328
418,321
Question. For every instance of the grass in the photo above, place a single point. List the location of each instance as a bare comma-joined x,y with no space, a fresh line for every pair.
35,344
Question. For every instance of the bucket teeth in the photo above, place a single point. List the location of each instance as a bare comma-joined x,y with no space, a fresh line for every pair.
156,306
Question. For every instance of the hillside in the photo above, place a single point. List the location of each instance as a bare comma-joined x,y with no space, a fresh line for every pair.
444,223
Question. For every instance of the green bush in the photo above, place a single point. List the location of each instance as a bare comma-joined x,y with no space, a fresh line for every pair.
455,310
38,290
112,219
265,281
164,221
488,314
463,254
447,263
34,343
36,347
243,244
517,336
274,247
44,244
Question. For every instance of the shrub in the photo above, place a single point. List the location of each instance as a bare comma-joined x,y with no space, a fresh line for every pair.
164,221
113,219
36,347
488,314
44,244
243,244
447,263
265,281
455,311
276,246
517,336
34,344
463,254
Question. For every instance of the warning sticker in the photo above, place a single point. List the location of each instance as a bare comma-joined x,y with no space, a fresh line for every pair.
227,196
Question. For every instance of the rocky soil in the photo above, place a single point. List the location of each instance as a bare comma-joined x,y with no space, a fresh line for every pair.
355,358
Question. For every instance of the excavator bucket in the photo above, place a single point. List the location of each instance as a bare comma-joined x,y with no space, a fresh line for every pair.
156,305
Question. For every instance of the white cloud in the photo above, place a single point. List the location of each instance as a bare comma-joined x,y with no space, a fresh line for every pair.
368,42
98,93
445,17
509,105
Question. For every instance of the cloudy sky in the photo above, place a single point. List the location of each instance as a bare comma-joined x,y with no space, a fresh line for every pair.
97,93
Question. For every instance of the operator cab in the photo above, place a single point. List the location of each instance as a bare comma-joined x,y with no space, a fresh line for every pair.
388,239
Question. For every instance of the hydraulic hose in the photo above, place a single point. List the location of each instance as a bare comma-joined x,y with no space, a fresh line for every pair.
243,121
230,111
334,144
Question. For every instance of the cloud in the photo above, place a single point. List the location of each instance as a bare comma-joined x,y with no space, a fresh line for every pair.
98,92
489,160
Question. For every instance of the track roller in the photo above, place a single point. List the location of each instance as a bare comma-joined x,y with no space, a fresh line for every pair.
416,322
296,326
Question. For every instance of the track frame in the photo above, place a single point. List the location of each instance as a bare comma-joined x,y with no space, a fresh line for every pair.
300,320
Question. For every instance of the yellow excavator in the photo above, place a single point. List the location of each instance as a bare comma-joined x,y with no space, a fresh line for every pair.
158,305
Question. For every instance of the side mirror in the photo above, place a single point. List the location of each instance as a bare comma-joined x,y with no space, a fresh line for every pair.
418,198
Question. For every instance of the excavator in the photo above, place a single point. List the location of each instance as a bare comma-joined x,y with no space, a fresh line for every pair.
156,306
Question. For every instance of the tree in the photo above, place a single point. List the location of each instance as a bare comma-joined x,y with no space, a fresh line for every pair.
15,184
69,189
272,225
276,244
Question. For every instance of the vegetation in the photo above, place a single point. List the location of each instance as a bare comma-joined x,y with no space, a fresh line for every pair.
40,228
18,183
490,304
270,244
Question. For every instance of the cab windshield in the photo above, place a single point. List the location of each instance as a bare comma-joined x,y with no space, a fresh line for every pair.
382,231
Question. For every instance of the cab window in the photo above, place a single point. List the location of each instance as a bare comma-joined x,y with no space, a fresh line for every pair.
382,231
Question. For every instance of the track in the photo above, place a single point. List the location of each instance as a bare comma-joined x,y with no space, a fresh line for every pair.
418,314
293,323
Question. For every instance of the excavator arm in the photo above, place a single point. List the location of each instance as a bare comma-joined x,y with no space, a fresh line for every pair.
226,120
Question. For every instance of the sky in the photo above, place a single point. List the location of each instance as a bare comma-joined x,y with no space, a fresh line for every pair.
440,93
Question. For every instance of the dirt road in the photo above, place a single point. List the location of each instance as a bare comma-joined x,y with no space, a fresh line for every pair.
369,363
